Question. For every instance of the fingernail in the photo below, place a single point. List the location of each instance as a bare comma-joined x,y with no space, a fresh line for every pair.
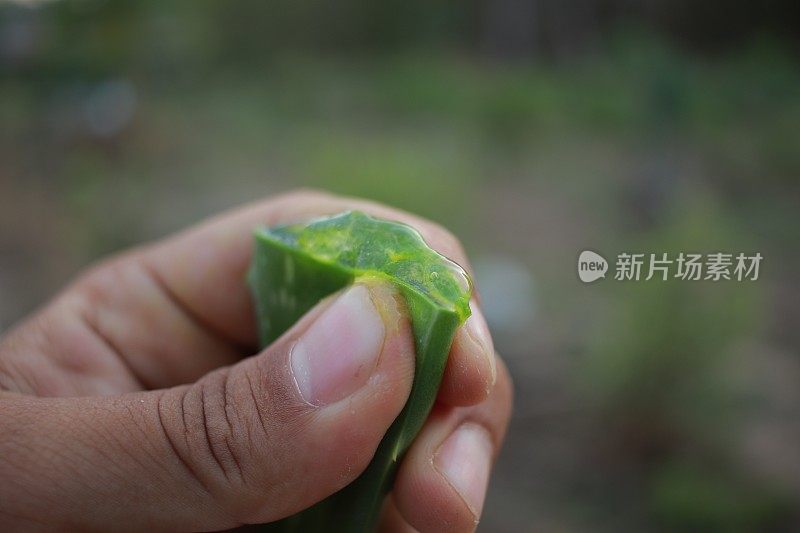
465,460
478,332
338,352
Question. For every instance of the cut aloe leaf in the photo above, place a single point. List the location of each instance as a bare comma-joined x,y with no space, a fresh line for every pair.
295,266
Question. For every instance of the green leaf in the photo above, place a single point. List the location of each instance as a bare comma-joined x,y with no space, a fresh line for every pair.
295,266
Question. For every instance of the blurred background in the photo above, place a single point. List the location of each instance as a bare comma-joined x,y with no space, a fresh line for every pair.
533,129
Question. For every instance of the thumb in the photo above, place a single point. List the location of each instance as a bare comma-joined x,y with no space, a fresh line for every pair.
249,443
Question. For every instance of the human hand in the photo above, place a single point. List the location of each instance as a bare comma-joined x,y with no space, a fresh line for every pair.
129,402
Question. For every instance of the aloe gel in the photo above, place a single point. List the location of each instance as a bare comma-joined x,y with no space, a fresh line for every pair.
295,266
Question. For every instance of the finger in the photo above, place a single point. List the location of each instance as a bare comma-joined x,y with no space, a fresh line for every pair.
56,353
217,253
391,520
471,369
249,443
115,330
442,481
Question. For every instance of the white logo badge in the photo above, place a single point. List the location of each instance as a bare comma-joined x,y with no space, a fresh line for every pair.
591,266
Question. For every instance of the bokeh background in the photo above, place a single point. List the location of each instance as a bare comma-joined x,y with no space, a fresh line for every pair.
534,129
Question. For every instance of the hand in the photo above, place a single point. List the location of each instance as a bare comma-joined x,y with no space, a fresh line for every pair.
128,403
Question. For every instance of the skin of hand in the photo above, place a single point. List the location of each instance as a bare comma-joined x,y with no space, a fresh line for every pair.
133,400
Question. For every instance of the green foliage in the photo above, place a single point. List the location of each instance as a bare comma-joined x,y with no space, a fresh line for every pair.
697,497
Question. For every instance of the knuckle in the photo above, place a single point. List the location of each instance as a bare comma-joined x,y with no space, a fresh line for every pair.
239,439
102,286
229,425
208,438
176,432
220,428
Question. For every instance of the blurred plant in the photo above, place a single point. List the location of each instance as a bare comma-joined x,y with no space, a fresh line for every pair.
659,372
698,496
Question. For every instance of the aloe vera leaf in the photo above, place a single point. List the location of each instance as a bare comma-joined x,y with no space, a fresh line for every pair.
295,266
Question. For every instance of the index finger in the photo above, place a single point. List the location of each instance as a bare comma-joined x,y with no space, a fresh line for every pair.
204,266
204,269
